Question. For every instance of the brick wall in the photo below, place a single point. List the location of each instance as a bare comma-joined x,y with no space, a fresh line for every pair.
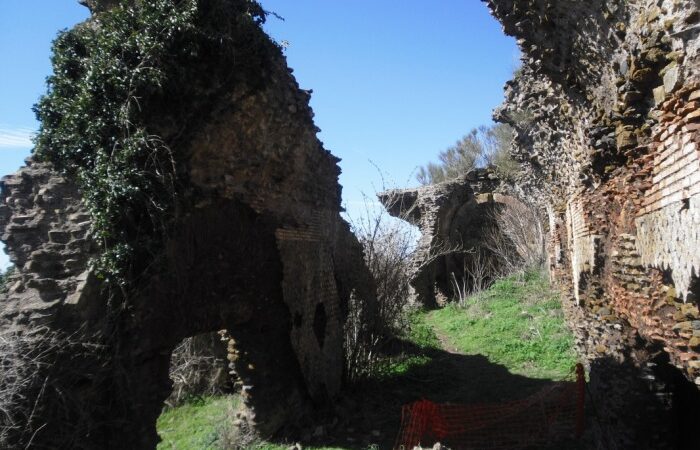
582,242
669,221
633,244
311,294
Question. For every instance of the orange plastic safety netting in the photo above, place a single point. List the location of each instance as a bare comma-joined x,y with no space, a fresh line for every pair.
553,414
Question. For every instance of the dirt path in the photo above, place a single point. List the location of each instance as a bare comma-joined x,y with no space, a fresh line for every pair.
445,342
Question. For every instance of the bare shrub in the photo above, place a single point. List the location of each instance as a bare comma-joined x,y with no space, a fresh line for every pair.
519,238
480,270
35,367
198,367
20,360
478,273
514,243
361,341
388,245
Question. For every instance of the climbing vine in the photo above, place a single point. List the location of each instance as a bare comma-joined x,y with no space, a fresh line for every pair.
127,87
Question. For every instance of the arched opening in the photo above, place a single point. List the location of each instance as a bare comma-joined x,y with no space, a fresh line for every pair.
259,249
485,248
199,367
681,396
248,302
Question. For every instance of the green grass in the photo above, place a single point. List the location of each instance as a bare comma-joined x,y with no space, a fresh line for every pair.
423,336
517,323
420,332
196,424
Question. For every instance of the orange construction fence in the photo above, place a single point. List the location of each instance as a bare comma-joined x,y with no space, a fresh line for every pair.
553,414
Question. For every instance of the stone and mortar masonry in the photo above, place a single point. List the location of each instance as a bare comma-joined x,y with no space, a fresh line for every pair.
46,233
455,219
668,222
607,116
257,247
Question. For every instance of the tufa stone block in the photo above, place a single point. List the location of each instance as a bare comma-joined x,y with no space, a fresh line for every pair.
672,77
659,95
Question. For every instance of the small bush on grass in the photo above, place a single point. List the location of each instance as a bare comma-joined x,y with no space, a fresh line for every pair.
388,247
199,368
518,240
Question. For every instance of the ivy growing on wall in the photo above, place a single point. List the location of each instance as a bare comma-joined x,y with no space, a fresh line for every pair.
127,88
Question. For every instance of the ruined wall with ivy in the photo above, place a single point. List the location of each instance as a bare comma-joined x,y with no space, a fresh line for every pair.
193,199
607,110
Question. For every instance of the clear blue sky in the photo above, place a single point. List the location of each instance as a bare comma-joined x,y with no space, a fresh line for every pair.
394,81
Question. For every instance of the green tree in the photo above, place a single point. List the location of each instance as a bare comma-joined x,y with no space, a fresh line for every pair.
486,146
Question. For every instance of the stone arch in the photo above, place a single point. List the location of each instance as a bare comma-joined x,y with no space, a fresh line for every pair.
226,266
473,225
256,245
223,271
454,218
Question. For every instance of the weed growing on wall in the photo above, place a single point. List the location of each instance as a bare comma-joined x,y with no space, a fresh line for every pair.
127,88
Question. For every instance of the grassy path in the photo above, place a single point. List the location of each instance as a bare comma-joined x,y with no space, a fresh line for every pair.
517,323
506,343
446,342
194,425
199,424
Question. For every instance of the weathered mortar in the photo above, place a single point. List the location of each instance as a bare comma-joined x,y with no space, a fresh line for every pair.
607,114
257,248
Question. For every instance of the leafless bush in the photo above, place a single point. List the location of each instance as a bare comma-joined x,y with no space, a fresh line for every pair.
388,245
515,242
362,339
198,367
478,272
518,240
33,375
509,261
20,359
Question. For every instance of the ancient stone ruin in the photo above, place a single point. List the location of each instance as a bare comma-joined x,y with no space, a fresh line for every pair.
456,219
607,111
258,249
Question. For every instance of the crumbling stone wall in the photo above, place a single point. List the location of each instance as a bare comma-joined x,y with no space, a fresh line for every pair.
45,231
607,117
455,219
257,248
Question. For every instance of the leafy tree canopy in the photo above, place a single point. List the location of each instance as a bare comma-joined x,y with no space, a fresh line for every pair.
486,146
